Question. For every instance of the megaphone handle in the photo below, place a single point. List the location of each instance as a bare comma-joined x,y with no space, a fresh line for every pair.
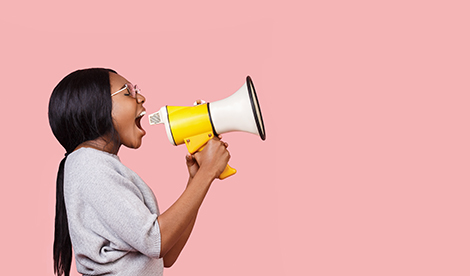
198,142
228,171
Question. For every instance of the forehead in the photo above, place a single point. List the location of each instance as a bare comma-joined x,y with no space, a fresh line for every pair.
116,81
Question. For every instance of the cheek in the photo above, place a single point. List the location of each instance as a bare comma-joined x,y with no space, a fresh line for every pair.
123,117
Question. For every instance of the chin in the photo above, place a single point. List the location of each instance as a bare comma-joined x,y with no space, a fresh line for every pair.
137,145
134,144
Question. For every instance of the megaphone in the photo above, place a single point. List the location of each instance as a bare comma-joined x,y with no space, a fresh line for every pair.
196,125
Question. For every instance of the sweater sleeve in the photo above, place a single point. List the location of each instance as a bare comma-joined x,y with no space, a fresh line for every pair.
108,199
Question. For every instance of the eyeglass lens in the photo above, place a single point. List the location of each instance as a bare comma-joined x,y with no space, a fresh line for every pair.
133,90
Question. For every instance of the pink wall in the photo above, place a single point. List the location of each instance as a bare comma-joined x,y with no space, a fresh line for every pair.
365,169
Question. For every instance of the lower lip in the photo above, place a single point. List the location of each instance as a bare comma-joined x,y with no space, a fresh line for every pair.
142,131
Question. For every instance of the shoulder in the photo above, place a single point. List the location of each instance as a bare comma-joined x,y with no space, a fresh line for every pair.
90,161
98,177
90,166
88,157
89,171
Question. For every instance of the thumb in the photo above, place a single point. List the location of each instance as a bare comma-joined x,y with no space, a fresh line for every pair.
190,160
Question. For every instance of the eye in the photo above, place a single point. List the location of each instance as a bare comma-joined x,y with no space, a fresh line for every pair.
128,92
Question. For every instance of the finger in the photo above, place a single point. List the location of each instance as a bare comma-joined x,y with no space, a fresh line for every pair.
189,159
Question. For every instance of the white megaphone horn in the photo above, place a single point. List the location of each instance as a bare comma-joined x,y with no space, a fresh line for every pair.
195,125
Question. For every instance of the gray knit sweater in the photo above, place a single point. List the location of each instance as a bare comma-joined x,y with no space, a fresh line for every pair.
112,216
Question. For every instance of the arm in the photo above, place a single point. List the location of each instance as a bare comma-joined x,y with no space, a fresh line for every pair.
172,255
175,251
177,222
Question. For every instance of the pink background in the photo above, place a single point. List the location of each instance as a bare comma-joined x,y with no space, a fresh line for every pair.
365,169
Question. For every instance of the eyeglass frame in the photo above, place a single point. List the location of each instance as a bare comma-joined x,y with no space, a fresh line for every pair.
126,86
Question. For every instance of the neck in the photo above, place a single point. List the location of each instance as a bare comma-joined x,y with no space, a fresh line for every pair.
101,143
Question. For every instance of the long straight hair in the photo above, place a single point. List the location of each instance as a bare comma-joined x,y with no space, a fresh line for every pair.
79,110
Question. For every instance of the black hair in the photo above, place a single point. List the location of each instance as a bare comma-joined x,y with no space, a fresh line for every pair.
79,110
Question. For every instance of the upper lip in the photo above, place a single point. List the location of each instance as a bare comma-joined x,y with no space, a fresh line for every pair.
140,113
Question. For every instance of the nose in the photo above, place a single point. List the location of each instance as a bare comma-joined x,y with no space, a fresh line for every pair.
140,98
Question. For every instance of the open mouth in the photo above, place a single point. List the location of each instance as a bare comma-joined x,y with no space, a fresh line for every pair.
138,119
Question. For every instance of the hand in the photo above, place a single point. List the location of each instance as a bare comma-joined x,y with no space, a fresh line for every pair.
199,101
193,167
214,157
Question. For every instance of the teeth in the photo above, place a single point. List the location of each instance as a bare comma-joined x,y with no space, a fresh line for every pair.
141,114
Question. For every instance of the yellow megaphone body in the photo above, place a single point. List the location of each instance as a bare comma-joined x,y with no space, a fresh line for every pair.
196,125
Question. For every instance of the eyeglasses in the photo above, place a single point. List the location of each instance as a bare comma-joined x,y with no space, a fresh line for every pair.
133,90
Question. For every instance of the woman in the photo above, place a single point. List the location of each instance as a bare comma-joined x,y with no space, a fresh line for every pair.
104,209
